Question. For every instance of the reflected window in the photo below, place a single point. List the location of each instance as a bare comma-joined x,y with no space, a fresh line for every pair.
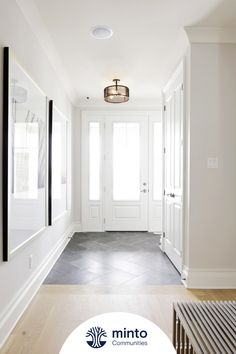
56,160
26,160
157,161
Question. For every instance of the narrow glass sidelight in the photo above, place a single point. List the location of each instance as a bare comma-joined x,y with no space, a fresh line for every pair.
94,160
126,161
157,161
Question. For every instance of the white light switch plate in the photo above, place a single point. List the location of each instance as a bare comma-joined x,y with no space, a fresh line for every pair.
212,162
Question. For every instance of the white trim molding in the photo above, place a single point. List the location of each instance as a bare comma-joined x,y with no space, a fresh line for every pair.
22,299
77,226
211,34
194,278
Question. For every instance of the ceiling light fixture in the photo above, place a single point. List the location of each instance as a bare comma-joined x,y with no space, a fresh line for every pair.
116,93
101,32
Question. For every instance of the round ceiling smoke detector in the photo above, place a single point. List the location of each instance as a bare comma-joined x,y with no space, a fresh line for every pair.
101,32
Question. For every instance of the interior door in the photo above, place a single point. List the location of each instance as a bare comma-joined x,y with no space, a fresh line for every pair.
173,171
126,173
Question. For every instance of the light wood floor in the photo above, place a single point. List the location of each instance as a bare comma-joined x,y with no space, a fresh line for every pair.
58,309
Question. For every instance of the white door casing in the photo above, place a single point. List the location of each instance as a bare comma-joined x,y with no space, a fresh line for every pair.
103,213
173,168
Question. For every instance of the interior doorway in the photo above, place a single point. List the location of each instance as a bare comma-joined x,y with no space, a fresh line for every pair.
122,171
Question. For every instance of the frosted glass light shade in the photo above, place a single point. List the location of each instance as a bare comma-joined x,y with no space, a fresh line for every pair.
116,93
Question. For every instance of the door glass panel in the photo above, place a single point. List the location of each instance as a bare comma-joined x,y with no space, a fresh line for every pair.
126,161
157,161
94,161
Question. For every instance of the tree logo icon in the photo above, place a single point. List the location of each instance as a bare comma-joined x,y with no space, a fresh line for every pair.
96,335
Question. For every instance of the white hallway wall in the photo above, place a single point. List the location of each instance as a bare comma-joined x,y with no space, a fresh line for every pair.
18,282
211,227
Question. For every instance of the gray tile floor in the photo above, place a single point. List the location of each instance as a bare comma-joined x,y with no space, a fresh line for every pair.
113,258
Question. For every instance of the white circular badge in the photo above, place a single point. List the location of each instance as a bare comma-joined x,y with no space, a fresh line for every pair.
118,332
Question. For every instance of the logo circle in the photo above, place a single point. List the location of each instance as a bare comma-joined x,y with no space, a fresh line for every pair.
118,333
96,337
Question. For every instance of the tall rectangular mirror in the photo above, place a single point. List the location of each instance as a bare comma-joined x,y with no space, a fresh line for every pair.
24,157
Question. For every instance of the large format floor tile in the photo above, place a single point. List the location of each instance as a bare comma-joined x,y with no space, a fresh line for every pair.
113,258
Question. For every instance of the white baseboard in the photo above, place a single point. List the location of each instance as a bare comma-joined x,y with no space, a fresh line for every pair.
20,302
77,227
209,278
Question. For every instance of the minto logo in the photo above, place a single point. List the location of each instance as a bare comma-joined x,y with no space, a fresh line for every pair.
96,335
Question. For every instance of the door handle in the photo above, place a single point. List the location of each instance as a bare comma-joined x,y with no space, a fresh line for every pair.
144,190
172,195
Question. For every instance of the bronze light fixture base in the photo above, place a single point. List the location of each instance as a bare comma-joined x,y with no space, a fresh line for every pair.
116,93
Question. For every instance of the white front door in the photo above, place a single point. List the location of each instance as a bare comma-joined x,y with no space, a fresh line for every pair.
173,171
126,173
121,171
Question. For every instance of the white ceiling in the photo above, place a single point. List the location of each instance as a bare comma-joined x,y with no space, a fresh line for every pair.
143,50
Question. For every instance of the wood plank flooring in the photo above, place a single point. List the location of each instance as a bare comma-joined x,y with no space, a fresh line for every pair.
58,309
